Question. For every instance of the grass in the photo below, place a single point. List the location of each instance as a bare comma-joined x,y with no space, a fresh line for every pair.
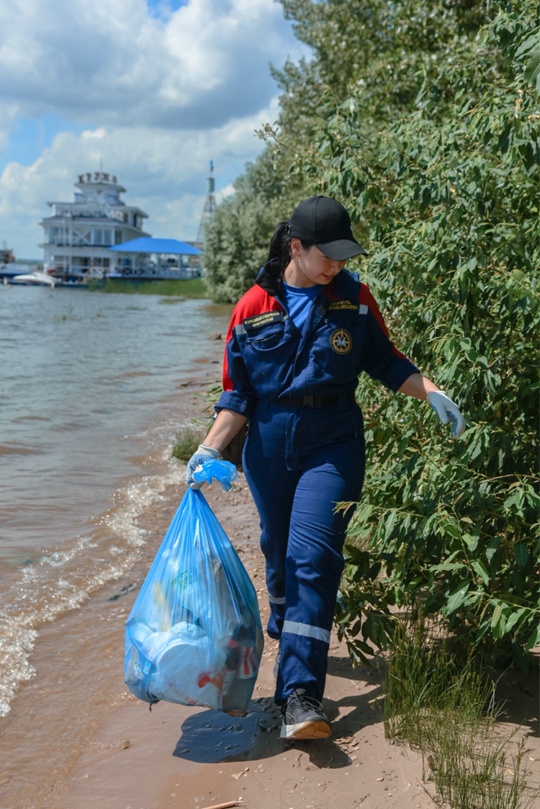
188,288
187,440
438,699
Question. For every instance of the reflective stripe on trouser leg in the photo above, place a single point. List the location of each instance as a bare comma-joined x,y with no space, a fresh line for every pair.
313,571
306,565
277,608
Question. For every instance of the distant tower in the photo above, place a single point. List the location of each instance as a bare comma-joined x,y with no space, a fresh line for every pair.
209,206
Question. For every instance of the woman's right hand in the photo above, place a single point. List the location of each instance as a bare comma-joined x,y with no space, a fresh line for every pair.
202,454
448,412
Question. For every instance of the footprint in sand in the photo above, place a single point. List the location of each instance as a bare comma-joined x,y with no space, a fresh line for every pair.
296,795
346,800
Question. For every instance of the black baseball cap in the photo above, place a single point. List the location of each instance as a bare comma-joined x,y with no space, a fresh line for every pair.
325,223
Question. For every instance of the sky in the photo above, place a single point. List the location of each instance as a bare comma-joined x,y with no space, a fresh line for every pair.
150,91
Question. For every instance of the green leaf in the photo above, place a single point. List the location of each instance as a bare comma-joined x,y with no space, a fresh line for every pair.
481,570
447,566
533,639
515,616
471,542
451,527
497,620
456,599
389,524
491,548
521,554
529,44
532,71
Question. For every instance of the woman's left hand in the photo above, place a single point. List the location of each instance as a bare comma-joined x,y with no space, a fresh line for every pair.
448,412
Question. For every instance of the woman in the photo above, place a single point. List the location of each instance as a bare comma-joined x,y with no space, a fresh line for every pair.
296,344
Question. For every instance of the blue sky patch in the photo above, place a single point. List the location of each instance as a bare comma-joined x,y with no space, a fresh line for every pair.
30,137
164,8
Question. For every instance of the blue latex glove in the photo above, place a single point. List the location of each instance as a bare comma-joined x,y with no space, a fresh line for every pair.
447,411
200,456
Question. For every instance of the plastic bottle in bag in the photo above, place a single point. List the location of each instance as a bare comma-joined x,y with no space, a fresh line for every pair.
187,666
241,666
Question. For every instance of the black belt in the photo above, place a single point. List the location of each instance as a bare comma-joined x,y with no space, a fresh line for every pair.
316,401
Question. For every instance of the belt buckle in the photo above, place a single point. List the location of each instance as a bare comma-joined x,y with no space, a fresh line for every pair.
308,401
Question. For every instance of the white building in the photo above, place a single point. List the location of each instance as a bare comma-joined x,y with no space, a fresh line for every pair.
79,233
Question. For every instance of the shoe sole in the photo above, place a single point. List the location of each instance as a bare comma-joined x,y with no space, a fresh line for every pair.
307,730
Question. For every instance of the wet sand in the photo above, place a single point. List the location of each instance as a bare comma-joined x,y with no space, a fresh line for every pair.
76,738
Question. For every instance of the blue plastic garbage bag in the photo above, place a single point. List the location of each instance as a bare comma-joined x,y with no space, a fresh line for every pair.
194,634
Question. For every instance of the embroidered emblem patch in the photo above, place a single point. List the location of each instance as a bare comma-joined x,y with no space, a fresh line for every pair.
341,341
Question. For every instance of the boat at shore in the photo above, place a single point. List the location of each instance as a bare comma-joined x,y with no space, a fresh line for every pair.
32,274
11,269
35,278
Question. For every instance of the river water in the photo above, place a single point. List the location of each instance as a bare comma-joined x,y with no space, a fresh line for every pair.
89,384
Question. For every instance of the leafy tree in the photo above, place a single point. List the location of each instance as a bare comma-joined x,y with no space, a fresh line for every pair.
373,51
451,194
353,46
231,257
237,238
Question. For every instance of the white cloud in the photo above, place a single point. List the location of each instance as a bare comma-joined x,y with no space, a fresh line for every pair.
204,65
164,174
152,94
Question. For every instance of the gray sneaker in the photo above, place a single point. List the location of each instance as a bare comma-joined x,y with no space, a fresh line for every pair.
304,718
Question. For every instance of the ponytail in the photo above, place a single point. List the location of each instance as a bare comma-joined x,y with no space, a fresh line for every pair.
279,251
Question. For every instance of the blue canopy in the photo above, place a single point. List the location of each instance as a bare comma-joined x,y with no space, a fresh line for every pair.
145,244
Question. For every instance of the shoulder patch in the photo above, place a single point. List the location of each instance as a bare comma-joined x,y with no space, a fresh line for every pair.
264,319
340,305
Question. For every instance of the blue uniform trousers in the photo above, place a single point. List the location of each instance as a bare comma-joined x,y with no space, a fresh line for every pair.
299,463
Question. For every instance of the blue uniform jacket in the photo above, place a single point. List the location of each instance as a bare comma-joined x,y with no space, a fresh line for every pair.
267,357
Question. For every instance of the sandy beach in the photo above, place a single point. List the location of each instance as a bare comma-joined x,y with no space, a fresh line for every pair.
76,738
175,756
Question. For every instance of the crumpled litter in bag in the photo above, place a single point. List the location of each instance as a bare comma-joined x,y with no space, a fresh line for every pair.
194,634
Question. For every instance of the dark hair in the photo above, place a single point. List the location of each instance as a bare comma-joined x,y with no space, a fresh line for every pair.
279,251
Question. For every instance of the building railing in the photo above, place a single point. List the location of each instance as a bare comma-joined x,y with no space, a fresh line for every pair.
59,242
90,213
